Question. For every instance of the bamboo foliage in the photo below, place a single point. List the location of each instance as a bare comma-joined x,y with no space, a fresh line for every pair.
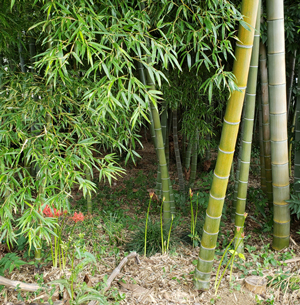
248,120
278,123
266,120
226,148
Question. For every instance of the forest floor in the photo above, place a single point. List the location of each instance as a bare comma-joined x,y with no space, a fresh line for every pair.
120,211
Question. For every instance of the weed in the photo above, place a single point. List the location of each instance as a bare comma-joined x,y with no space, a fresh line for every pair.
11,261
295,204
153,244
238,236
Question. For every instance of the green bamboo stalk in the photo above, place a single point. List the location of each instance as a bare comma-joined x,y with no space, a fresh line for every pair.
297,141
194,160
88,195
237,177
226,148
261,146
248,120
177,153
158,185
164,122
291,80
168,205
278,123
22,62
266,120
188,154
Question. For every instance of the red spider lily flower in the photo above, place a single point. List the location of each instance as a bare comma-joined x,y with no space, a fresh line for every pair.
245,215
238,229
191,193
77,217
151,194
243,235
57,213
47,211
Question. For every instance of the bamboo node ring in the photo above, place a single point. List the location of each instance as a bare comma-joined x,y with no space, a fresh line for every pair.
232,123
210,233
217,198
226,152
244,46
220,177
212,217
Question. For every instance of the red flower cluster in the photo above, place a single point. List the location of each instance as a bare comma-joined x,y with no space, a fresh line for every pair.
78,217
47,212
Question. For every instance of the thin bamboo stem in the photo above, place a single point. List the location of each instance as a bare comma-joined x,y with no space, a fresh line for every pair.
246,140
266,120
177,152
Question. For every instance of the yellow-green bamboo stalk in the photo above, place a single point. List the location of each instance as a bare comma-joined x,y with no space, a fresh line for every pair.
226,148
246,141
278,123
266,120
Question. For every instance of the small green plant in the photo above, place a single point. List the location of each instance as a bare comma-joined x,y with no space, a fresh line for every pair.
239,236
153,242
194,235
113,226
11,261
295,204
83,292
146,226
269,301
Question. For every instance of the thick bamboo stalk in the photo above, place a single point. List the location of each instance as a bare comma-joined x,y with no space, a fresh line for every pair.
266,120
248,119
278,123
226,148
177,152
297,140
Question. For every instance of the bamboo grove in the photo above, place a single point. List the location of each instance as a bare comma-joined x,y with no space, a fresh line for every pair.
80,79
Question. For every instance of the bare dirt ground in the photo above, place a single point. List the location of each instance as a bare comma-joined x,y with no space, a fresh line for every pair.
168,279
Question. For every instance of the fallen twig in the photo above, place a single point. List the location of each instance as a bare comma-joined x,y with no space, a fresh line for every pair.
120,266
20,285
